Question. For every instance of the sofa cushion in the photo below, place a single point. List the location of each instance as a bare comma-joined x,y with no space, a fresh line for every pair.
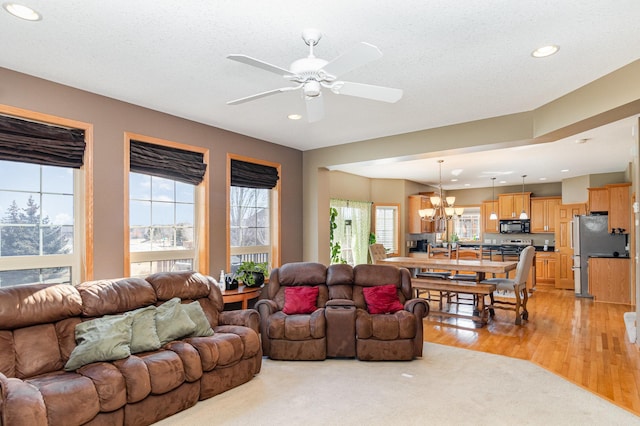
166,371
25,305
183,285
382,299
172,322
107,297
144,336
109,383
300,300
101,339
71,399
197,315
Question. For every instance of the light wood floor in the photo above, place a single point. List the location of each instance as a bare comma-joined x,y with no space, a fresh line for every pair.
576,338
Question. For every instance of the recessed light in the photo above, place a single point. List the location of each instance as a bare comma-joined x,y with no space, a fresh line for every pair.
564,170
545,51
542,178
467,184
22,12
580,141
454,180
294,116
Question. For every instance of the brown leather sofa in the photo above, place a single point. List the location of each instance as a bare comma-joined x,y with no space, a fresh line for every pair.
37,337
340,324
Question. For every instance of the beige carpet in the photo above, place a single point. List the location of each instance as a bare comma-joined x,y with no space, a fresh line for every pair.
448,386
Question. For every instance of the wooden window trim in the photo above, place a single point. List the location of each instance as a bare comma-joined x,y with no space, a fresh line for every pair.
202,194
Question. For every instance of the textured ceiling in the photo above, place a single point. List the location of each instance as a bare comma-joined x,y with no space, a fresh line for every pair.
455,61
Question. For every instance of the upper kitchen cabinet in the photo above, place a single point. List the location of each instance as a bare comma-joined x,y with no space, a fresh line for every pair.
543,218
598,200
613,199
511,205
416,224
619,207
489,226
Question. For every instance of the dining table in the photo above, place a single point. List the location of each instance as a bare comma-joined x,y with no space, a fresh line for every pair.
481,267
480,313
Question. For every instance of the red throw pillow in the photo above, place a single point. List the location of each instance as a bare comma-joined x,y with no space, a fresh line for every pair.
300,300
382,299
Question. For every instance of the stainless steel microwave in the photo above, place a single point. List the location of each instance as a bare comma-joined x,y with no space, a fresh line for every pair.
522,226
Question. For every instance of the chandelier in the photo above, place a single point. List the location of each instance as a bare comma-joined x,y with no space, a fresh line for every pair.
442,208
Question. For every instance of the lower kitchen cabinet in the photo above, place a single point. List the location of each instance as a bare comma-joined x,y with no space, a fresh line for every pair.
545,267
609,280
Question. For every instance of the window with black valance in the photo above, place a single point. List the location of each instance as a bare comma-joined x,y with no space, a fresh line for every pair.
38,143
167,162
253,175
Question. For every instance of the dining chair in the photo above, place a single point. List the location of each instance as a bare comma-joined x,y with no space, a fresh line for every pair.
377,253
469,254
518,285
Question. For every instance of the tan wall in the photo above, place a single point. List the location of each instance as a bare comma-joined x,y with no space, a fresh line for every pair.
111,119
606,100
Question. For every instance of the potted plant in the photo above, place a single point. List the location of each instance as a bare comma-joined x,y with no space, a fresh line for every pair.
454,240
251,273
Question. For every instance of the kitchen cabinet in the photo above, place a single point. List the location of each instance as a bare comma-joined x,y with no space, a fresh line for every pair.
545,267
598,199
416,225
543,214
619,207
510,205
609,280
489,226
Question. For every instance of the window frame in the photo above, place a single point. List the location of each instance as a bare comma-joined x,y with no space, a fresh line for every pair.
82,266
456,221
201,221
374,214
274,214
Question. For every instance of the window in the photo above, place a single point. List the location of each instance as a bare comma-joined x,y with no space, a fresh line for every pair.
164,229
467,226
387,227
45,214
253,221
353,225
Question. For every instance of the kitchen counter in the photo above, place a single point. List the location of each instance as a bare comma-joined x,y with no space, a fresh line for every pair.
609,256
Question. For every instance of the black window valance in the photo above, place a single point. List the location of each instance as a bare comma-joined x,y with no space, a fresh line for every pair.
38,143
252,175
167,162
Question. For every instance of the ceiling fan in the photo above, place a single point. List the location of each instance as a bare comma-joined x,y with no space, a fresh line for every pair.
312,74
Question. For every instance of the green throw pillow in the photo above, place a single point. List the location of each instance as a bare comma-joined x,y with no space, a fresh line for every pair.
143,331
172,322
101,339
197,315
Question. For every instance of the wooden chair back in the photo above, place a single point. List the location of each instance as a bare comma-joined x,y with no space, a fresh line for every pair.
377,252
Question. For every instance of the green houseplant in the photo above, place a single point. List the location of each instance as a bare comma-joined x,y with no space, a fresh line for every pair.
252,273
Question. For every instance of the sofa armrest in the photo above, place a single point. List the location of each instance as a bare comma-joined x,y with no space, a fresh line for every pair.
419,307
21,403
266,307
245,317
344,303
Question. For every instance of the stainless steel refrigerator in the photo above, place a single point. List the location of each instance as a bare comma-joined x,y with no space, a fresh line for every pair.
590,237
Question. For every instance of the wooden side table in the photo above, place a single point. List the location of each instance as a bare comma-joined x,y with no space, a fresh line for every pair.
241,294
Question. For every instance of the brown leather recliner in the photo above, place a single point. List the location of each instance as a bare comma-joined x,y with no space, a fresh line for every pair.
294,337
396,336
341,325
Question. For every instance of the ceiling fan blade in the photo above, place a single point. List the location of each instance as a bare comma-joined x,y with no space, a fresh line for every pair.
359,55
315,108
262,95
259,64
368,91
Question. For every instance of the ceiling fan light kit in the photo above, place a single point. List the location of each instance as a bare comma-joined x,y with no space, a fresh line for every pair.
312,74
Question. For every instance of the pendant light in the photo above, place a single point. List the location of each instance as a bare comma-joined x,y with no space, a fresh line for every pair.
442,208
493,215
523,214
